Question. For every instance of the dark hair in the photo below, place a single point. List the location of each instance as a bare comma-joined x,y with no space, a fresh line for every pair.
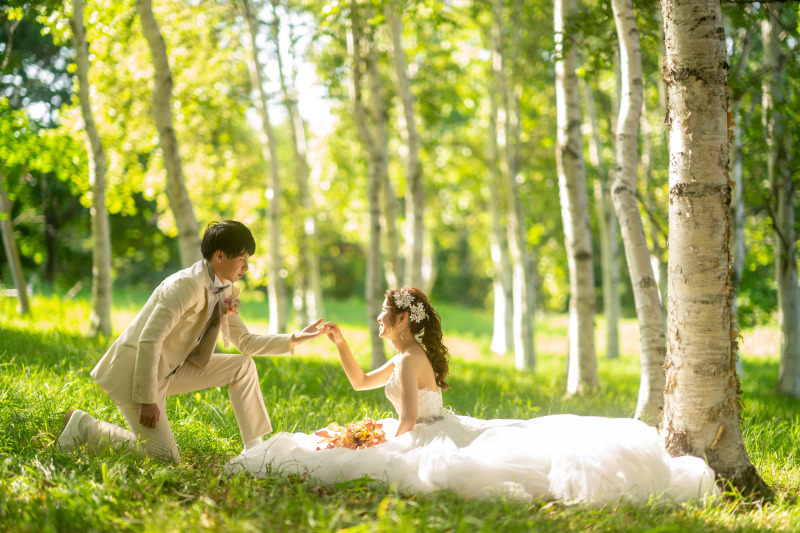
431,328
230,236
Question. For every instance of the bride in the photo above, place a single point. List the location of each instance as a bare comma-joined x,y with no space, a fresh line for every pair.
569,458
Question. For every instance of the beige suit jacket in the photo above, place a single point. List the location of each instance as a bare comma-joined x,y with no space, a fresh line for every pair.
164,333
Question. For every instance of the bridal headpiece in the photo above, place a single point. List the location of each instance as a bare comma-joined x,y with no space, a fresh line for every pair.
404,300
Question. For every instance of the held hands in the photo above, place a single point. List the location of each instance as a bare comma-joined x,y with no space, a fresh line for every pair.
333,332
149,415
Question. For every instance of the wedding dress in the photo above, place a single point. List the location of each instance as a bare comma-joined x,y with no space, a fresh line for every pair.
568,458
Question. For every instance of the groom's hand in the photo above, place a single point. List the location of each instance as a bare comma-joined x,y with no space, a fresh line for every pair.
312,331
148,415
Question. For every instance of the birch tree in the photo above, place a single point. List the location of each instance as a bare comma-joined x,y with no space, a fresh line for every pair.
377,112
10,247
502,284
582,370
645,289
779,172
100,317
608,228
374,288
275,286
507,124
180,204
309,288
415,199
701,397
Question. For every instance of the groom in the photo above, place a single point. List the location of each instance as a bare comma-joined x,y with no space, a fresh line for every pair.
169,349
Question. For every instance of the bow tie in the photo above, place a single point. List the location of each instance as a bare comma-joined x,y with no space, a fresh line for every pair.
220,289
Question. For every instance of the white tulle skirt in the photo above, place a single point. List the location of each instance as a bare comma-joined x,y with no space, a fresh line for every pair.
568,458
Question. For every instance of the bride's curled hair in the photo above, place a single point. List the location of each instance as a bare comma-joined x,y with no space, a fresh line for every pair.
430,327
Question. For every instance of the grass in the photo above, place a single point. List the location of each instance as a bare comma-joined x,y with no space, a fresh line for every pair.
46,359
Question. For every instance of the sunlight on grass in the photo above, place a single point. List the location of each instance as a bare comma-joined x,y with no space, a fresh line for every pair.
46,359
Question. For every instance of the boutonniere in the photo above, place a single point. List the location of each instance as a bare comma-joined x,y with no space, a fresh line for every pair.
232,305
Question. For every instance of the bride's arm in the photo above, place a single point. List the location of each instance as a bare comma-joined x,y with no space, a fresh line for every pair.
358,378
408,372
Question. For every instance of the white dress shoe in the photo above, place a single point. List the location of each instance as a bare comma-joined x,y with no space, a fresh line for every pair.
71,435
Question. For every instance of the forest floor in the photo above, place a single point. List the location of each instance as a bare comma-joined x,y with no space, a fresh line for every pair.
45,362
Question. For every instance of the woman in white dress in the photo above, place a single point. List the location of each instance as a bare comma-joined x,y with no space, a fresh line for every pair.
568,458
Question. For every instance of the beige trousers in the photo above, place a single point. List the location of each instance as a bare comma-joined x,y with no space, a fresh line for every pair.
236,371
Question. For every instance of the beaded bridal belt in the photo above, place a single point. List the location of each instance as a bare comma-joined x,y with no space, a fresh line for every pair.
429,419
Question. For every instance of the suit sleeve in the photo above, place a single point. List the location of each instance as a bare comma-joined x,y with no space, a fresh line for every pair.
172,303
257,345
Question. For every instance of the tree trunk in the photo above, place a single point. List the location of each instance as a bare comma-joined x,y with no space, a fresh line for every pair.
415,199
701,397
607,228
507,124
374,289
377,111
658,261
275,288
310,289
779,172
645,289
503,284
100,317
582,372
181,206
12,252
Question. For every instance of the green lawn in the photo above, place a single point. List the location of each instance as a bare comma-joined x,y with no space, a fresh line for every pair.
45,370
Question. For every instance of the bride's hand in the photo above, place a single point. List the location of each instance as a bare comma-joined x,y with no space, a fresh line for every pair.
333,332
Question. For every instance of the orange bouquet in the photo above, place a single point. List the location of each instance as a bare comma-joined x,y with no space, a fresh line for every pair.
356,435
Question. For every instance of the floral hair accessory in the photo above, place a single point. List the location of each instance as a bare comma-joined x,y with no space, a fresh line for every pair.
417,312
356,436
403,299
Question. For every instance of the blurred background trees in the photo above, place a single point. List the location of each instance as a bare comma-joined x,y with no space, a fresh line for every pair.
472,67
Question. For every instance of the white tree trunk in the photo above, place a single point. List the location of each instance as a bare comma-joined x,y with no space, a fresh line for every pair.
582,369
100,317
779,172
181,206
701,397
12,252
503,285
374,292
415,199
645,289
507,124
310,289
275,288
607,227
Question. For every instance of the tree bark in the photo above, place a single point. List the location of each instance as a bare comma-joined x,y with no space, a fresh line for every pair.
582,373
377,110
415,197
310,288
503,284
100,317
507,124
374,292
779,172
701,409
645,289
275,288
12,252
607,228
180,204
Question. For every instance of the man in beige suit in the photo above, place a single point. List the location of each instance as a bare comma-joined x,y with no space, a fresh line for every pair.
169,349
